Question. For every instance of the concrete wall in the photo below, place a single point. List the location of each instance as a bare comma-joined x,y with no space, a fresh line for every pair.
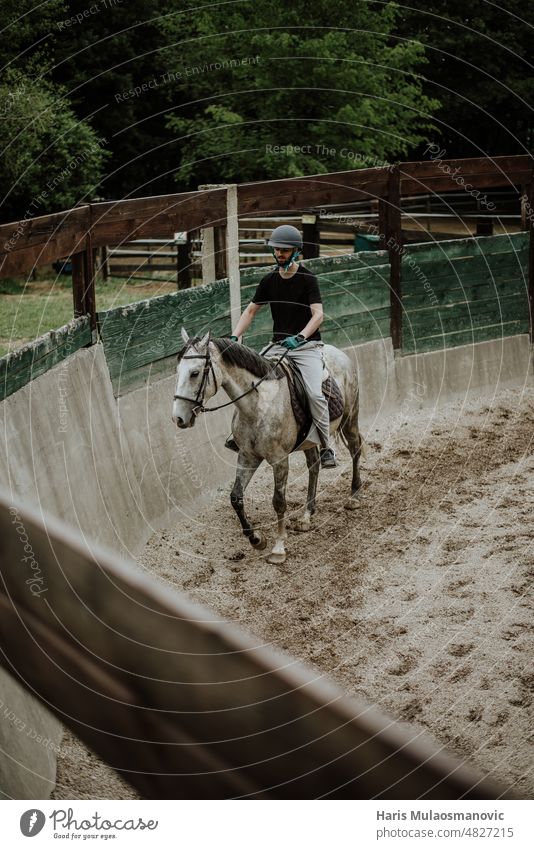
115,471
389,382
172,469
118,470
29,743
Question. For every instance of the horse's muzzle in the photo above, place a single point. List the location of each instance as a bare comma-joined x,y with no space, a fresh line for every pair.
184,425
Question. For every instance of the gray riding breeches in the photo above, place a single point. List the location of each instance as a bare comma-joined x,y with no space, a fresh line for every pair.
309,358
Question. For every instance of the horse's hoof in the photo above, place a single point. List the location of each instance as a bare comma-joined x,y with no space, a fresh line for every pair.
301,526
277,558
258,540
354,502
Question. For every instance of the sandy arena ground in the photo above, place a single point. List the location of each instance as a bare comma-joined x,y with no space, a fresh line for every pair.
420,602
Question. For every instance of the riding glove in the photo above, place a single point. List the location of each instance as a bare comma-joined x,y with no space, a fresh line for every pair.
292,342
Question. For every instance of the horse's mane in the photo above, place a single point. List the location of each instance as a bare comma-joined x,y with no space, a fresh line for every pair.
241,356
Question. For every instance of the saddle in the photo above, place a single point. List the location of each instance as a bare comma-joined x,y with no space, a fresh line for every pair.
299,399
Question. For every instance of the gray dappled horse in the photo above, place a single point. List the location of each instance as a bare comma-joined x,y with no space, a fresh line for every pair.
264,426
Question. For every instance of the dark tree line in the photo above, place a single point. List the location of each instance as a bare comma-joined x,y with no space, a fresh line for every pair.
119,98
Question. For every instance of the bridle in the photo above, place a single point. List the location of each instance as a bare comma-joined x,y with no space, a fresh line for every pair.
208,366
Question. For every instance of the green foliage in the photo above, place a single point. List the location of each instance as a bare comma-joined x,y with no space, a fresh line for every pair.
27,37
51,160
100,61
325,77
186,95
479,67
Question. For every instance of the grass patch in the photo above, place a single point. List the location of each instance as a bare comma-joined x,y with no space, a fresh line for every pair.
29,308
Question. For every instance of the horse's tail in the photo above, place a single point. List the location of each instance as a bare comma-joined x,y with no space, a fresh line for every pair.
363,444
340,436
351,415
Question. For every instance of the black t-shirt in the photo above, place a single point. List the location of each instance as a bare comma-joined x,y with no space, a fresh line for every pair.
289,300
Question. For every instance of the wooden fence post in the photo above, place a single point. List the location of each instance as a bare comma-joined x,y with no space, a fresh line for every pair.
208,254
232,253
83,283
524,201
221,270
89,281
104,262
394,245
214,251
484,226
78,285
183,262
311,236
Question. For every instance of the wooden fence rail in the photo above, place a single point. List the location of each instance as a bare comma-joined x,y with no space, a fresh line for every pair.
33,242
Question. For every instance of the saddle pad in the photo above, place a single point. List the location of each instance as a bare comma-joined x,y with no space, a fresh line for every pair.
332,393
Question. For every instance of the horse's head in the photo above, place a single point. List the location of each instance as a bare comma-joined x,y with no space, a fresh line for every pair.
197,379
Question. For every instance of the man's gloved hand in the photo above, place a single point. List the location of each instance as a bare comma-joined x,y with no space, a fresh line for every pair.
234,338
292,342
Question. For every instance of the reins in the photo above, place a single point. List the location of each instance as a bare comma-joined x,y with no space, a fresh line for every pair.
199,400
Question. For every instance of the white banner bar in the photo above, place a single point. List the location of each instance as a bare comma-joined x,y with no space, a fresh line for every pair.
268,824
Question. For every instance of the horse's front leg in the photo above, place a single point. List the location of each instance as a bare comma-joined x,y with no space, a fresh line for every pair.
246,466
303,523
280,471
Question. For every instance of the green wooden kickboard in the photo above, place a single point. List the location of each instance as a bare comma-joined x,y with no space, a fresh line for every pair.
464,298
453,292
24,365
141,339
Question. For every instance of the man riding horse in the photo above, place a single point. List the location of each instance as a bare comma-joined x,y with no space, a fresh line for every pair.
297,311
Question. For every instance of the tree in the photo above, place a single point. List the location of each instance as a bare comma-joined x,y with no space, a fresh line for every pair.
480,68
51,160
106,63
28,35
269,90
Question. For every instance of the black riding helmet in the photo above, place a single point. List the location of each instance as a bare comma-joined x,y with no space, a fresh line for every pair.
286,236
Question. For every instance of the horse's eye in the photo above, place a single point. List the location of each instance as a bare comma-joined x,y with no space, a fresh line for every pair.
194,373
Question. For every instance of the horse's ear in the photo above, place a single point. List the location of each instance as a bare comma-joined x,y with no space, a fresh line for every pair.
185,335
205,339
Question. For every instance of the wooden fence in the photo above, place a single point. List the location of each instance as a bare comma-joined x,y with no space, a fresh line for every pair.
337,231
388,295
456,292
32,242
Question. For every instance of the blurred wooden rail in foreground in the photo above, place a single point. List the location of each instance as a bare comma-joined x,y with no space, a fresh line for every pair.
184,705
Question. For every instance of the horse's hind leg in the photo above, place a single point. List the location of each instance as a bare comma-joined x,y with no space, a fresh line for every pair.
246,466
303,523
352,434
280,471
